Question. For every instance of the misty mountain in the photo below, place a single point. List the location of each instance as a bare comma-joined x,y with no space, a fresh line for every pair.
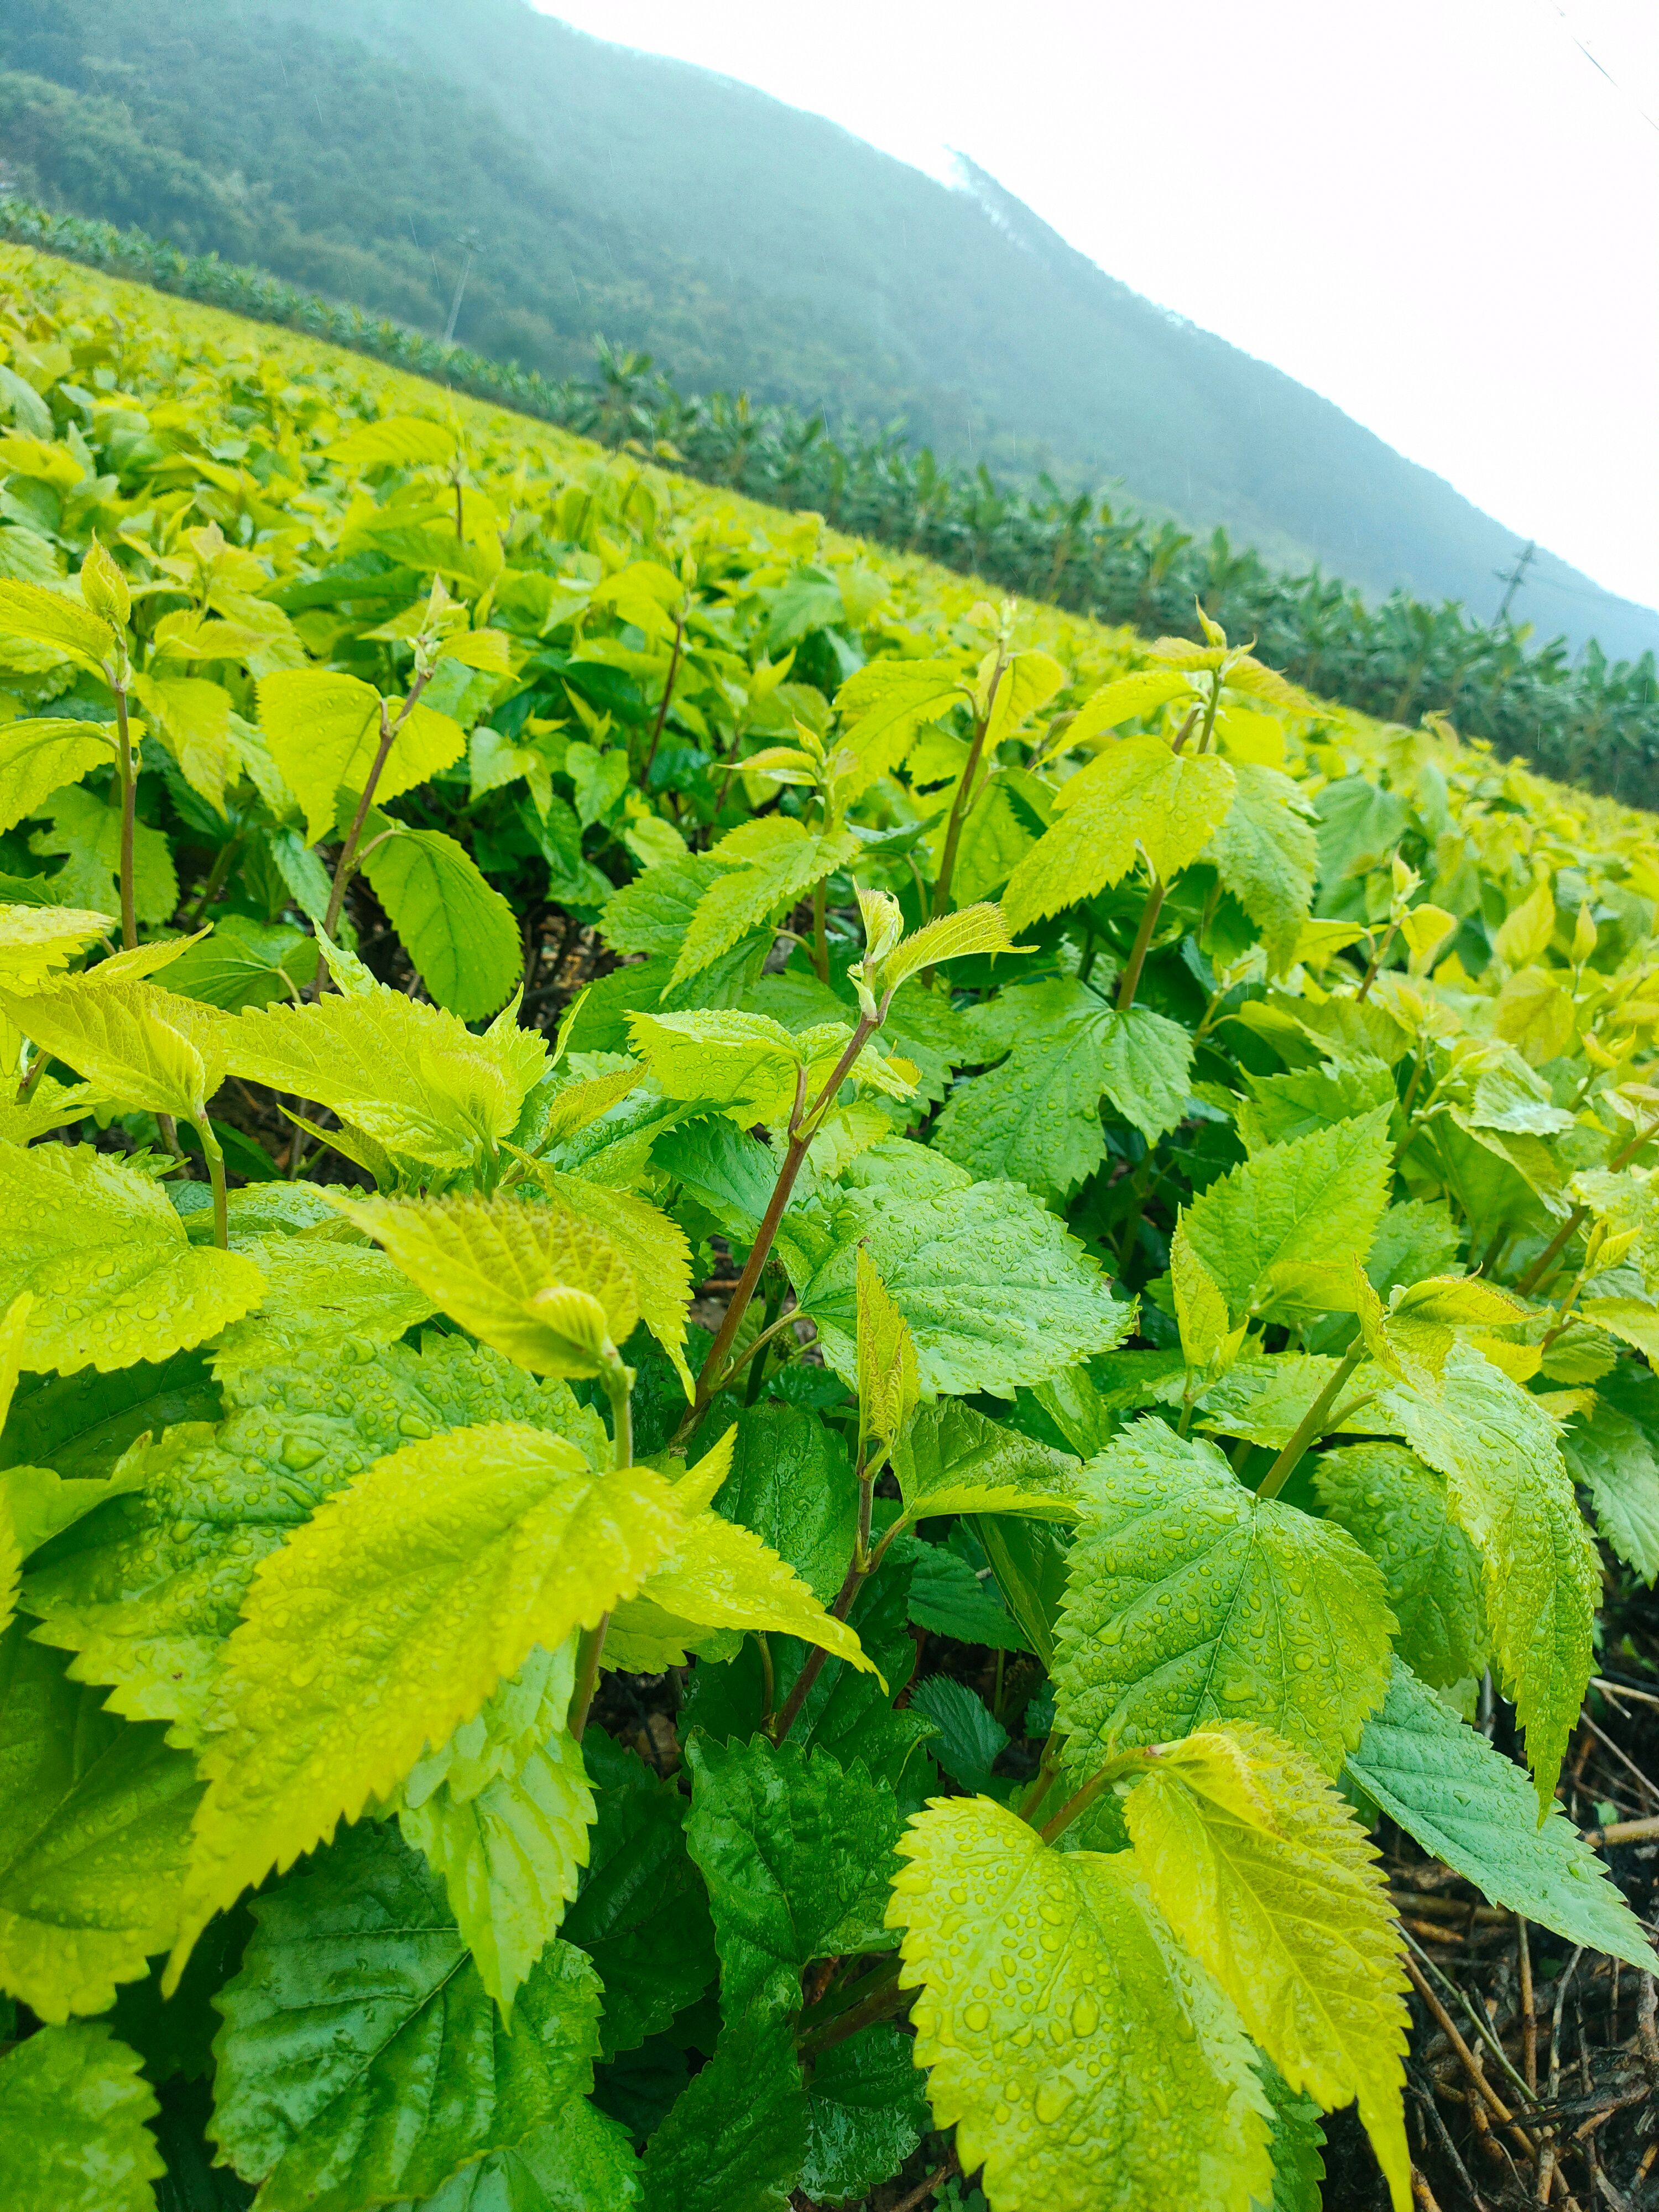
376,149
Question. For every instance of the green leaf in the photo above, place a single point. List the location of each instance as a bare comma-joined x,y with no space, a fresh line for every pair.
1191,1601
1396,1509
970,1737
399,442
1263,1873
948,1598
741,898
80,1424
653,1245
995,1293
735,2139
113,1277
1296,2143
86,830
1136,791
866,2112
885,703
1302,1100
324,730
72,2136
506,1821
38,755
458,930
52,617
410,1076
1112,2077
1467,1804
146,1588
797,1855
1500,1453
580,2162
245,963
140,1043
652,914
317,1291
792,1484
503,1268
388,1617
720,1574
1305,1205
642,1913
747,1066
952,1459
362,2059
95,1841
1611,1453
1266,856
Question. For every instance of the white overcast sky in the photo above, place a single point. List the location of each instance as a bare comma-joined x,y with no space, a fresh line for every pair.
1441,213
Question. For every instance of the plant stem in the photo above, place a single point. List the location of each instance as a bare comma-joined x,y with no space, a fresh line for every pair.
1377,958
1130,982
667,694
1079,1801
216,875
1311,1426
769,1680
881,1994
129,807
964,796
852,1583
801,1133
346,865
769,1325
214,1156
821,932
1558,1243
618,1383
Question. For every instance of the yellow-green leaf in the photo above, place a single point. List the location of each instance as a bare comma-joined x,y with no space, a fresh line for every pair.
1136,793
39,755
888,1390
1290,1913
145,1046
503,1268
1083,2058
114,1279
388,1617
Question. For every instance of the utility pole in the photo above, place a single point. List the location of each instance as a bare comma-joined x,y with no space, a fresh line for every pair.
1512,581
469,241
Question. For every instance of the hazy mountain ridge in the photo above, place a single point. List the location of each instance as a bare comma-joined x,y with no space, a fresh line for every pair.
349,144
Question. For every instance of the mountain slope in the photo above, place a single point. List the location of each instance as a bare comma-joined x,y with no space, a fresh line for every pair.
351,144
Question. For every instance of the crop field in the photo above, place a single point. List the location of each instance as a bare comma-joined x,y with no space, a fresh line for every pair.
817,1391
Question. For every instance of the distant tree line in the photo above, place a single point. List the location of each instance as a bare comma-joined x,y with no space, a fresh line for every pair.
1592,722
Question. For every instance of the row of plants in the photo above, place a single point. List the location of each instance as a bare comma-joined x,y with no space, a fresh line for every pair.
1586,719
773,1342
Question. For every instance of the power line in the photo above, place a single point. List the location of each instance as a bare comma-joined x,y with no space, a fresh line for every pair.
1513,581
1566,23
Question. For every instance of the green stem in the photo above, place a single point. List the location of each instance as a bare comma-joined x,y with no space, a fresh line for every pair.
618,1380
1130,982
129,810
216,1165
1551,1252
754,1359
1377,958
769,1680
821,932
964,797
1210,712
346,866
1311,1426
874,1996
802,1130
1080,1800
813,1666
662,704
